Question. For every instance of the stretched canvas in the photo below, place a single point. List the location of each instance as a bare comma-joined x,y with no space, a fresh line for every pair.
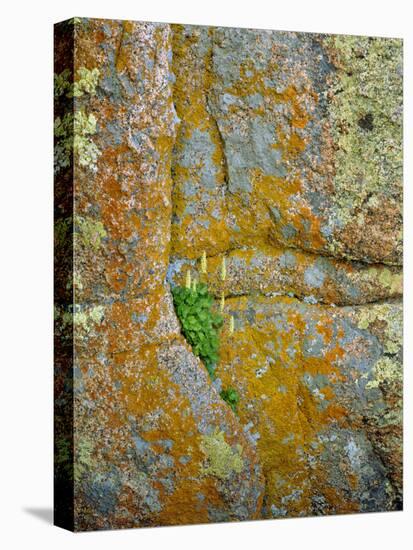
228,274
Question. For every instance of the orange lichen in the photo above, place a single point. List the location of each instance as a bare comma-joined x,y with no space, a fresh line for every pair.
282,408
291,146
243,218
193,82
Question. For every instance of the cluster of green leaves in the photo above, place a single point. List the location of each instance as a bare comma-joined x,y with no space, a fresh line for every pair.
199,323
230,396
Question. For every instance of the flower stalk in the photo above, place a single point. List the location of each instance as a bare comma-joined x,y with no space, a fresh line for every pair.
222,303
203,262
188,279
223,269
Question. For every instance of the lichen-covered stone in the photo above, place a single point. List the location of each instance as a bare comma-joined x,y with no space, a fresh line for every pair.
267,165
310,156
365,112
315,391
314,279
145,408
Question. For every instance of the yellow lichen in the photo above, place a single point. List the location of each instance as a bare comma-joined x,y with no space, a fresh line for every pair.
222,460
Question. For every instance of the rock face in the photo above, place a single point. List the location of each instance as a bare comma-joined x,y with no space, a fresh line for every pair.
279,154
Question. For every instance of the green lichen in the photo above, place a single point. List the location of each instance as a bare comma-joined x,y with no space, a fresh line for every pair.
74,281
387,372
62,232
56,312
72,135
392,335
77,281
388,377
66,318
74,21
96,314
222,460
63,149
86,82
84,148
89,232
83,457
82,317
391,280
388,279
366,120
62,83
86,318
63,323
63,457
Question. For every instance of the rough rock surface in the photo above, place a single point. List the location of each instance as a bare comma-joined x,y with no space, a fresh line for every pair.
154,444
279,153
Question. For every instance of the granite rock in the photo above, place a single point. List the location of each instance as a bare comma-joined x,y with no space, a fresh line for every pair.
279,156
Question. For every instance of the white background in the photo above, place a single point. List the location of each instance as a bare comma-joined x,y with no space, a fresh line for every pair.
26,273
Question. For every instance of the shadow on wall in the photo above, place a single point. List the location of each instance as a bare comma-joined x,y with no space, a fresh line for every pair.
44,514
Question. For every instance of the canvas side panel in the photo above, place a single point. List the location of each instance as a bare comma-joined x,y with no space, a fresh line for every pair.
63,273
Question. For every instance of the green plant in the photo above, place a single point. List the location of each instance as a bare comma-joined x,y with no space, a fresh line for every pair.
199,323
231,396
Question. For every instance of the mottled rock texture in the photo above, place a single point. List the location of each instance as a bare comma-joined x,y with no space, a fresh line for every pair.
278,154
